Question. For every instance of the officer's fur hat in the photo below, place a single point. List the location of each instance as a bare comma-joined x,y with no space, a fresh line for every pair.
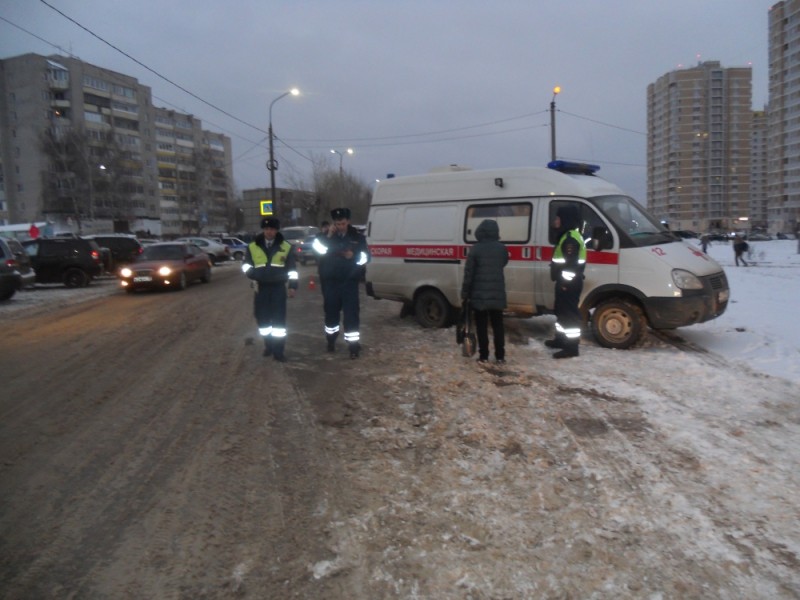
270,222
337,214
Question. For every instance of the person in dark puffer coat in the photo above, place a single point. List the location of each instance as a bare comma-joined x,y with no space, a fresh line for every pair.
485,287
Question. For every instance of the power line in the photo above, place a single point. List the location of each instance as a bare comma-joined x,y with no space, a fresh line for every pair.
364,141
408,135
602,123
56,46
438,140
153,71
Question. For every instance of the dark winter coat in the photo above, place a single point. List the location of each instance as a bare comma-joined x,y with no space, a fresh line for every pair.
280,267
484,284
334,265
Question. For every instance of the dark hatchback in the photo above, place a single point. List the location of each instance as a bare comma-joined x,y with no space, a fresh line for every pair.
124,247
15,268
71,261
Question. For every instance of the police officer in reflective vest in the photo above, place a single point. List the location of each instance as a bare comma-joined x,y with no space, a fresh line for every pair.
566,269
342,256
269,261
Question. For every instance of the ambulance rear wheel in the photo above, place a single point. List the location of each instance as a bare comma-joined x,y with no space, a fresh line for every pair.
618,324
432,309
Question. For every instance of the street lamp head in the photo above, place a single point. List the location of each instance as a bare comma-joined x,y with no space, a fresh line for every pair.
350,151
556,90
294,92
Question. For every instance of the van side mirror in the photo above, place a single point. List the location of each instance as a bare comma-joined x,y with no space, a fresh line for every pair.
602,238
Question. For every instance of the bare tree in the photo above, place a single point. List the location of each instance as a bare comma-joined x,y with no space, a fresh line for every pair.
331,189
65,186
87,176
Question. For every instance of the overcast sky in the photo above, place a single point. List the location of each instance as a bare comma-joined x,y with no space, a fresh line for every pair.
408,84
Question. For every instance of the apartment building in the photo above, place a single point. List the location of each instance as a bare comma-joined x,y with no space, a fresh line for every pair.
759,173
83,148
699,125
784,117
195,175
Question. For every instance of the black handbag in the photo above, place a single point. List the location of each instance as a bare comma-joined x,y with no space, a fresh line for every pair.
465,336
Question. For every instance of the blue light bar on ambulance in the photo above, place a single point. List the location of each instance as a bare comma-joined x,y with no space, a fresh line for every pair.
573,168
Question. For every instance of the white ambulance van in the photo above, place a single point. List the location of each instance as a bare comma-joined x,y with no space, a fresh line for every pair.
637,275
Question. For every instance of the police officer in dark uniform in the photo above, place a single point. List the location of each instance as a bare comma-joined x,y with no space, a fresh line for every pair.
342,256
270,262
566,270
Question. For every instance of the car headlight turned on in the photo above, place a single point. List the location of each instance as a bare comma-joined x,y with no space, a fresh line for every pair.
125,272
686,280
164,271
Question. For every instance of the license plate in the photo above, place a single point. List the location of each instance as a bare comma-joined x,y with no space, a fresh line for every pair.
142,279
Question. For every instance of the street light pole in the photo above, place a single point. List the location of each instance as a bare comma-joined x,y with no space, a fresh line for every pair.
341,172
341,156
556,91
272,164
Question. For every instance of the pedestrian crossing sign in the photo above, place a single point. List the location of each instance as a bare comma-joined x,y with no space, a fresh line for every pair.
266,208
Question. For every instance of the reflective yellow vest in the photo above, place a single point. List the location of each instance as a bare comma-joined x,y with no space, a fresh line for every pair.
260,258
558,254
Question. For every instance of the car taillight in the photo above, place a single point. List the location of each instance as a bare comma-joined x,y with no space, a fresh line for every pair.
11,263
96,255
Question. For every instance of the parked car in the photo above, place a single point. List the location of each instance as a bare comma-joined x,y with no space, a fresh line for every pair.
15,268
718,237
236,247
297,236
759,237
124,247
685,234
296,233
217,251
71,261
170,265
304,250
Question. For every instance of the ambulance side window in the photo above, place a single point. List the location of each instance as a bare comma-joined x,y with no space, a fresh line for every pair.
590,221
594,230
513,219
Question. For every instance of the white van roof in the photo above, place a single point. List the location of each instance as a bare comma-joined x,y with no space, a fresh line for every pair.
517,182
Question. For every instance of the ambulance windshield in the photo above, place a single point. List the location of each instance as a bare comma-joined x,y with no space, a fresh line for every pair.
632,221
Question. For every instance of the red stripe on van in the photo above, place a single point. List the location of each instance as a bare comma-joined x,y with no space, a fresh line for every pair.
415,252
602,258
453,252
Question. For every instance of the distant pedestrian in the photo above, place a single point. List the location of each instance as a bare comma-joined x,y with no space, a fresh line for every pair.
740,246
33,232
485,287
270,262
705,242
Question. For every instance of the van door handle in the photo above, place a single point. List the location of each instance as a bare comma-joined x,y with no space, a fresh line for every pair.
538,253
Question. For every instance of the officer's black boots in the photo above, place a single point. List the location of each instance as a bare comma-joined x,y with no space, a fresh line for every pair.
331,337
277,350
355,349
559,341
267,347
570,350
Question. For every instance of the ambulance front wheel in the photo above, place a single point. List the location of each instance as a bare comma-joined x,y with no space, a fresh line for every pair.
618,324
432,309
